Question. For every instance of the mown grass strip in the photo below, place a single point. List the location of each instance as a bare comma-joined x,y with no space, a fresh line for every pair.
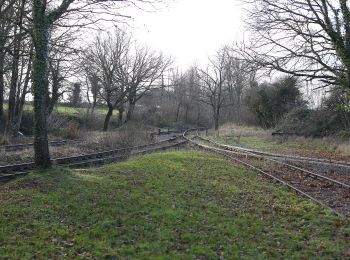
181,205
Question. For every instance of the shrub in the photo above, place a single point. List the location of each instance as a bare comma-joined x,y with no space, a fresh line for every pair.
307,122
271,102
71,131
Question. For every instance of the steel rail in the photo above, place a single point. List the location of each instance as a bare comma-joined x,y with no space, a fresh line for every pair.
106,160
292,187
94,162
66,160
98,161
304,171
20,147
11,171
330,162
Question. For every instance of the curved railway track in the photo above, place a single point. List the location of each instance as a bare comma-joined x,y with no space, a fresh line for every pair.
9,172
327,191
310,160
342,174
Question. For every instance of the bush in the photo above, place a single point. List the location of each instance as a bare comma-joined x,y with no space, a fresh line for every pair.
71,131
307,122
271,102
130,134
56,122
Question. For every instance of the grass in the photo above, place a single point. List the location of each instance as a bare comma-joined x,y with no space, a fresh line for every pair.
258,138
179,205
77,110
273,144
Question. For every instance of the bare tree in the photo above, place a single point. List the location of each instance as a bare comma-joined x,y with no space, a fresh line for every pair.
23,91
308,38
240,74
104,61
94,87
141,73
7,10
62,66
17,50
213,83
46,15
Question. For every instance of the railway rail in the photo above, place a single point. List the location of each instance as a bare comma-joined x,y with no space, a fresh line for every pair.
342,174
310,160
20,147
329,192
8,172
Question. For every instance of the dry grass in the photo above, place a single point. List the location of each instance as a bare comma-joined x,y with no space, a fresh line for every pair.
254,137
230,129
92,142
116,139
344,149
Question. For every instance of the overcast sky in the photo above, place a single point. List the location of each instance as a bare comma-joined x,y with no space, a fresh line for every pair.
190,30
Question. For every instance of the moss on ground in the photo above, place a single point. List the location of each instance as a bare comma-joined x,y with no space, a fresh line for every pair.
179,205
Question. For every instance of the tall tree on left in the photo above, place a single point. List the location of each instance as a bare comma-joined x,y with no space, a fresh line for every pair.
44,18
42,23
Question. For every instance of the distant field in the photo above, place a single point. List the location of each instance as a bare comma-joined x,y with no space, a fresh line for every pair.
66,110
75,110
179,205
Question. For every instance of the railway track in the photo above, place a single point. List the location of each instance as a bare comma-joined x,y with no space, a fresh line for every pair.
327,191
309,160
336,169
21,147
9,172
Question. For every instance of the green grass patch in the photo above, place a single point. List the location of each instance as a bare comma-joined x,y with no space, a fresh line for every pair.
78,110
273,144
71,111
179,205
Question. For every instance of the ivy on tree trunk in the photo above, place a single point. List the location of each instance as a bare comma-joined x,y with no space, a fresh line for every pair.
40,83
42,23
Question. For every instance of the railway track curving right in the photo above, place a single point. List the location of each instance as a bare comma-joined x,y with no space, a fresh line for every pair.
327,191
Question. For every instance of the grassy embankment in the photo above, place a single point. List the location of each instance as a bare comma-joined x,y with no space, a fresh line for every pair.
182,205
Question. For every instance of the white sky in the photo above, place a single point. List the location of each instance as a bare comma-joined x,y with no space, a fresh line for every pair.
190,30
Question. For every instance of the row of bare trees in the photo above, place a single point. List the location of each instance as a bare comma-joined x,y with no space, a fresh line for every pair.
120,72
308,39
218,86
37,47
17,52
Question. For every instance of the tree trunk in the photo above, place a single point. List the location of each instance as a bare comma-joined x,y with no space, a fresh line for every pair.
13,85
130,112
216,112
239,108
177,112
120,115
198,115
2,85
92,109
55,96
216,123
108,117
21,101
10,126
40,84
186,112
